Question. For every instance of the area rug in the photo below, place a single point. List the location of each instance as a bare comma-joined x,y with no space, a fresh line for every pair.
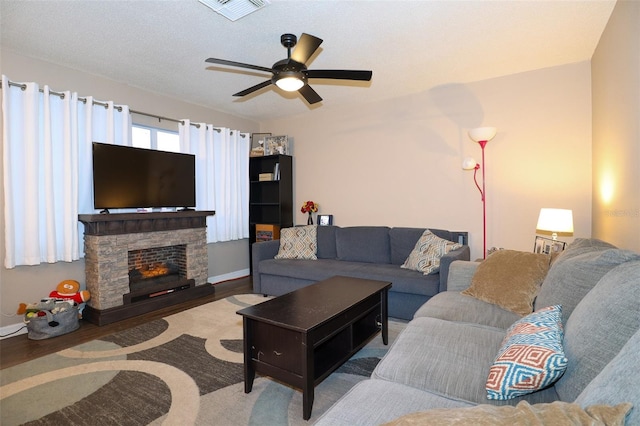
184,369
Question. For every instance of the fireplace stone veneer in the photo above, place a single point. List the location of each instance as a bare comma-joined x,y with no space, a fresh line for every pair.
110,237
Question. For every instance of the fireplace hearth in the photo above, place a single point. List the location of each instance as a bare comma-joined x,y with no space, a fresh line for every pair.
138,262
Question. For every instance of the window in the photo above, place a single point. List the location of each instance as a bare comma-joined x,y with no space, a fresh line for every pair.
153,138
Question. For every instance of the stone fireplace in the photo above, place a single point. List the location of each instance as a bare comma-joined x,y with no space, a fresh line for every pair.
139,262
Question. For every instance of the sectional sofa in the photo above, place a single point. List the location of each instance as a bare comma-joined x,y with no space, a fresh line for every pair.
370,252
443,364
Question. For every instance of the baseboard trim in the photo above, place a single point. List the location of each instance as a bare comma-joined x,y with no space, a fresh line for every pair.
13,330
230,276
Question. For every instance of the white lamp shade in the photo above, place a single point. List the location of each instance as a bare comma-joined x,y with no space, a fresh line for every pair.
555,220
469,163
482,133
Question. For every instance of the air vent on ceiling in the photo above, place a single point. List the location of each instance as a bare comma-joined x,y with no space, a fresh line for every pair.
235,9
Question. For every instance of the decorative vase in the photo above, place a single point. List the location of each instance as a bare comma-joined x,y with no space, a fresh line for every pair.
310,220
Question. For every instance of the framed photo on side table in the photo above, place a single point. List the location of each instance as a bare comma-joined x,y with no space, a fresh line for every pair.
548,246
325,219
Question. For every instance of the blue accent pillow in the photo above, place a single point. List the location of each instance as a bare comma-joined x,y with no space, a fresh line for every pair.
531,356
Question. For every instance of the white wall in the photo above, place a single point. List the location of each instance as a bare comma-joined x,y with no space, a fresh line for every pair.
398,162
616,129
30,283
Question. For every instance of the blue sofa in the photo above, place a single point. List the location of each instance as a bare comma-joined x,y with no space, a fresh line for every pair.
370,252
441,360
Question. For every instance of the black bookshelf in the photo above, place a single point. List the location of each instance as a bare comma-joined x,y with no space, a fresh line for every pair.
270,200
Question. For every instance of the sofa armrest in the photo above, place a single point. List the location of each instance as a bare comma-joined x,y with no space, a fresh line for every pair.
460,274
260,251
463,253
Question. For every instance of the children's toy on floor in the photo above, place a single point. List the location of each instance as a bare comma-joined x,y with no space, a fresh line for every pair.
54,315
70,290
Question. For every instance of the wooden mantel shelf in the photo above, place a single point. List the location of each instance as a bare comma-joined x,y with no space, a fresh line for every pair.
130,223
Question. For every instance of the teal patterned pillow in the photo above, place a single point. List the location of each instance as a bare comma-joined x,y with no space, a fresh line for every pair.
425,256
299,242
530,357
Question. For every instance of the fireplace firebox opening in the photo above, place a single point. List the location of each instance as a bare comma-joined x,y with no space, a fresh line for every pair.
157,271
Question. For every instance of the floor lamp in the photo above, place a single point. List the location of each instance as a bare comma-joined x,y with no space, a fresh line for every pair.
482,135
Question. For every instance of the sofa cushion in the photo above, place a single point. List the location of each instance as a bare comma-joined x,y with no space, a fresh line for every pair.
363,244
599,327
404,281
510,279
576,271
555,413
584,245
531,356
299,242
373,402
615,384
327,242
448,358
426,254
455,306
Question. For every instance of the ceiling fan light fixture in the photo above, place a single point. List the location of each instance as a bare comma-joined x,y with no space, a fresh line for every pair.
289,81
290,84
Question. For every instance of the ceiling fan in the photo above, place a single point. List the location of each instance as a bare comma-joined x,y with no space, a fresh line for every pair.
291,74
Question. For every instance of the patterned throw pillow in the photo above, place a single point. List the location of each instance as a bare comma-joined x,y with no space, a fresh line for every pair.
299,242
530,357
425,256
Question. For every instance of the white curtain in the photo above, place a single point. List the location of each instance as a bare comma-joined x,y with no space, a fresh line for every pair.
47,169
222,177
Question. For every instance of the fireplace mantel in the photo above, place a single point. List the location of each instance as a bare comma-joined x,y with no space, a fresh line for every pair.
132,223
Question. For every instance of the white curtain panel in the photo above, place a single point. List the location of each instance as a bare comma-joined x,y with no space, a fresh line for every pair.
108,123
47,169
222,177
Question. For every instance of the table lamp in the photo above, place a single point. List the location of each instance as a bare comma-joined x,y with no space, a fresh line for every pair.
555,221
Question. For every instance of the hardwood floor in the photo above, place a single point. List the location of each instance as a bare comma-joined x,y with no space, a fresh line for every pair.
15,350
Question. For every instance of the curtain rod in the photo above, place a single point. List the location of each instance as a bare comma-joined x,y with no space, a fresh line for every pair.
23,86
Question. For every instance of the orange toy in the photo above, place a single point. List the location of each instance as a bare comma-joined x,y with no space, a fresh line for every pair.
70,290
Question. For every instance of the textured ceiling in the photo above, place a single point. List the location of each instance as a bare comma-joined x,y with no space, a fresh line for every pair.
411,46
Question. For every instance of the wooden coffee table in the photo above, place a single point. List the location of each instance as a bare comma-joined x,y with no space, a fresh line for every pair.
301,337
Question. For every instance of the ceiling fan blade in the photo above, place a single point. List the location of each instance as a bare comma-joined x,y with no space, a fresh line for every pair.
253,88
237,64
340,74
309,94
306,47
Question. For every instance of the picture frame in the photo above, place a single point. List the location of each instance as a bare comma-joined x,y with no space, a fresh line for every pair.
548,246
276,145
325,219
257,144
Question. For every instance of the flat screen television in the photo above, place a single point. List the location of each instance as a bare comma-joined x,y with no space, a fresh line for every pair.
126,177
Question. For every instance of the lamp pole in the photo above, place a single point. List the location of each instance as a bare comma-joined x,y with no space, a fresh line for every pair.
484,205
482,135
